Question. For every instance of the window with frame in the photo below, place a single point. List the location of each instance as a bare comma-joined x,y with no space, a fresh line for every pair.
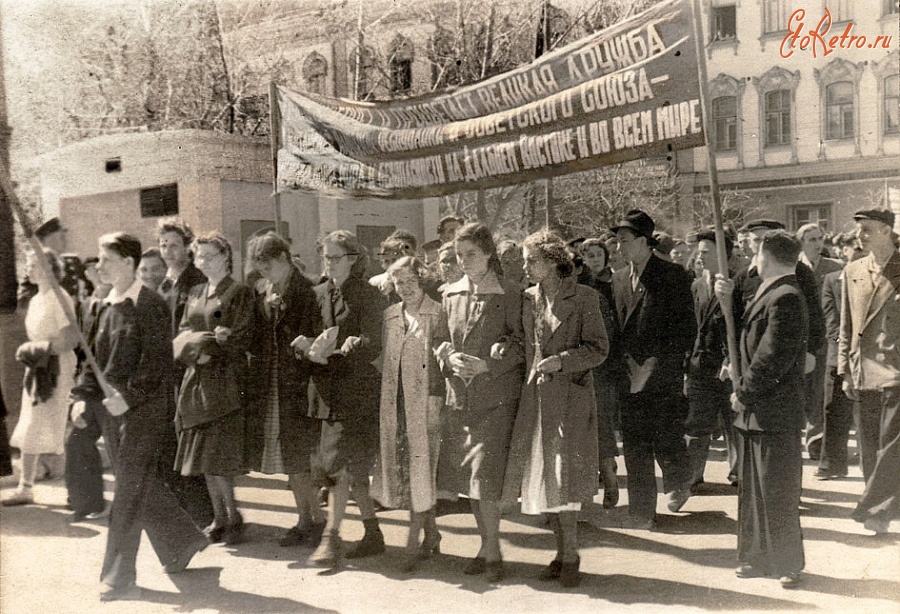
892,104
891,7
841,10
724,23
724,115
839,110
778,117
315,71
811,214
401,65
159,201
775,16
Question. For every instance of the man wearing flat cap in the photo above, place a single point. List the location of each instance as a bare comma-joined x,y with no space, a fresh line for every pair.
869,361
655,312
747,281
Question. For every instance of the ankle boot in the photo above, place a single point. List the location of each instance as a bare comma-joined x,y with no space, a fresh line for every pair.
372,542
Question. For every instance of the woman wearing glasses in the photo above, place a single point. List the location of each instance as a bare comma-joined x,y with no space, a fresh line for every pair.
483,366
285,308
346,390
216,331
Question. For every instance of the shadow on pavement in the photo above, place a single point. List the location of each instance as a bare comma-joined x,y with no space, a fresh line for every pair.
200,589
870,589
43,521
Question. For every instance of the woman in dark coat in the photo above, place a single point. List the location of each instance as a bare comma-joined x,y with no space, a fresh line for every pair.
346,390
215,335
281,435
553,457
609,377
483,367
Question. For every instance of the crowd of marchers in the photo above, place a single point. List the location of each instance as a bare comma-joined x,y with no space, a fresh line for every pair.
503,373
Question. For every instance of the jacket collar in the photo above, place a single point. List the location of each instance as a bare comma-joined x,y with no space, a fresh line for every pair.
489,285
756,303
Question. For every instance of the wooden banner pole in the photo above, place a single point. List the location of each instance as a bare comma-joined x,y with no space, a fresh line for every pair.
721,256
274,134
41,261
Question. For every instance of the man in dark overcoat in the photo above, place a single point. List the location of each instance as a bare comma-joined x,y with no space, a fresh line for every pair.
656,318
769,421
708,396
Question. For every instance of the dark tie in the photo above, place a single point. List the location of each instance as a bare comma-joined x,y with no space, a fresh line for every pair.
166,286
338,306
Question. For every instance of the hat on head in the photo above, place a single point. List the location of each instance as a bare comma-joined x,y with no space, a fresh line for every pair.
665,243
48,228
879,215
639,222
762,225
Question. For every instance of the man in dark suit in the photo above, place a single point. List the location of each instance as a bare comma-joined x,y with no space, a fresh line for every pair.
656,319
869,360
174,238
133,348
748,281
769,406
708,395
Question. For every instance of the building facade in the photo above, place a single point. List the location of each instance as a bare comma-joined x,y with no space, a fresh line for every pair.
808,133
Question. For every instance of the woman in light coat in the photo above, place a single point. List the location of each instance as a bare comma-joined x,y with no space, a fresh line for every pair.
553,458
412,394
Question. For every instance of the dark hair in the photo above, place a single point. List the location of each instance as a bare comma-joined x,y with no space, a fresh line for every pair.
507,244
448,219
403,236
709,234
550,246
268,246
421,271
351,245
176,225
218,240
150,252
782,246
124,244
480,236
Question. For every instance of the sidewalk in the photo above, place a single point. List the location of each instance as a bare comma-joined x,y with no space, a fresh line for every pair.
48,565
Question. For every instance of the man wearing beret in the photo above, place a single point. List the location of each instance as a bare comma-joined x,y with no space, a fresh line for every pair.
747,282
655,312
869,360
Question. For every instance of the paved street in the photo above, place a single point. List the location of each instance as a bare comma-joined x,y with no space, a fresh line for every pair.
51,566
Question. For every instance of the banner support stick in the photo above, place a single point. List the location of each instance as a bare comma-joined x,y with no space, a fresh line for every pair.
713,171
274,131
41,261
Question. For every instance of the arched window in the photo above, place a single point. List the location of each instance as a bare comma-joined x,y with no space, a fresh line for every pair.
839,110
401,65
726,94
778,117
777,89
365,67
892,104
315,72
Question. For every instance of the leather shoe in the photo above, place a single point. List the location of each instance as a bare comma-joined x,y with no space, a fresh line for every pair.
791,580
569,576
475,567
295,536
130,592
551,571
877,526
678,498
826,474
180,562
748,571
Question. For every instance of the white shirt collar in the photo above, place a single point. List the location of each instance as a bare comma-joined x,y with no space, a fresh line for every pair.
132,292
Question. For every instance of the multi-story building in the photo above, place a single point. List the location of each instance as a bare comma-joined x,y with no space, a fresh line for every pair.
809,133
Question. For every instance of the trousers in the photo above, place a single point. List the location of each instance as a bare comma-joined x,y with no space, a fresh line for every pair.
653,430
84,468
879,426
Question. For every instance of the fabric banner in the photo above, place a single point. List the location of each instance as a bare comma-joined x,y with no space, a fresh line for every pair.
627,92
